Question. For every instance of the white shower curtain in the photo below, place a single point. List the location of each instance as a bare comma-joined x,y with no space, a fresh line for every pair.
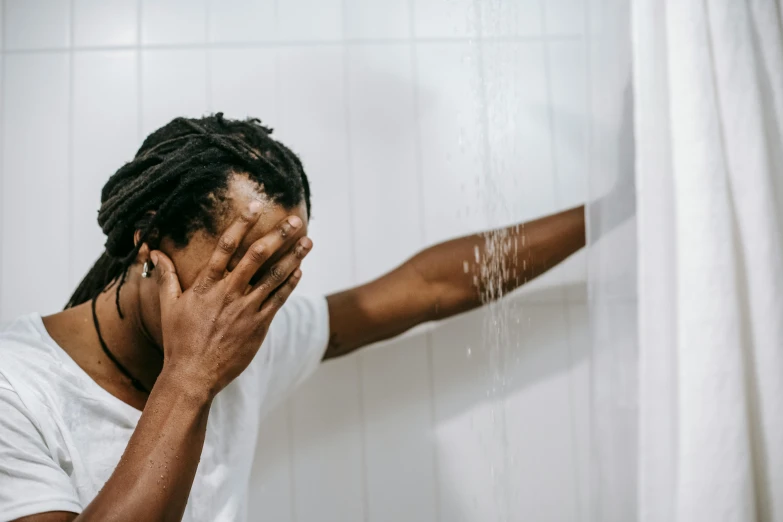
708,89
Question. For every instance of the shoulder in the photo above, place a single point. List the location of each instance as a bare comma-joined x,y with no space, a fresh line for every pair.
29,362
24,361
24,345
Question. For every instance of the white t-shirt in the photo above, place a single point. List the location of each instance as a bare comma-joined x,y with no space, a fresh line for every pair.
62,435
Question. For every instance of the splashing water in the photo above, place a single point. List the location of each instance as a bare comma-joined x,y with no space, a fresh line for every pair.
489,130
497,341
497,187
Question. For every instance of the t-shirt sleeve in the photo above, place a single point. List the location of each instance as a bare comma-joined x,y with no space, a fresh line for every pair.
31,481
297,341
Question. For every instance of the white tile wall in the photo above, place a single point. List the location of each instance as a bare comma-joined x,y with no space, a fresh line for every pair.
568,115
328,440
396,390
565,17
377,19
469,424
37,24
270,494
445,18
519,141
173,83
568,109
242,20
382,116
511,17
105,23
104,134
243,83
36,179
451,138
578,323
317,20
541,442
399,111
313,119
171,22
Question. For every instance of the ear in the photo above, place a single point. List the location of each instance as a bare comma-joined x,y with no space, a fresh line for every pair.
136,237
144,252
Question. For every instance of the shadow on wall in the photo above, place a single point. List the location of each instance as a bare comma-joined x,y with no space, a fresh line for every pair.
457,425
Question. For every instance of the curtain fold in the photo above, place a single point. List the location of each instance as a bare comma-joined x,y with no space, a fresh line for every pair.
708,79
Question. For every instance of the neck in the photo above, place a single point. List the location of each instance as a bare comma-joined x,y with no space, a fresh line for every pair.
127,338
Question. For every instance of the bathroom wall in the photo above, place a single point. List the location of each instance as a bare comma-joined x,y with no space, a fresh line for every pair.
417,121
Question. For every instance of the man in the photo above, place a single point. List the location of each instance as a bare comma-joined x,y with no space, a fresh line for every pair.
142,399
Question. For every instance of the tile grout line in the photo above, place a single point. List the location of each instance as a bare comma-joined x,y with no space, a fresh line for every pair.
289,403
568,317
346,55
550,114
208,58
586,510
289,420
417,119
70,143
279,115
292,43
589,147
139,83
423,238
564,304
3,66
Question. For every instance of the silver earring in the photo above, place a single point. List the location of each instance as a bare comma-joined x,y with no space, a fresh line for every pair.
146,269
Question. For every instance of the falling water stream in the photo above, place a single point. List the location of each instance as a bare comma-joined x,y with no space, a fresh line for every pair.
497,188
500,130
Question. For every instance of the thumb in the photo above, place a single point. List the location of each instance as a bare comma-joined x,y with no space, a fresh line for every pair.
168,282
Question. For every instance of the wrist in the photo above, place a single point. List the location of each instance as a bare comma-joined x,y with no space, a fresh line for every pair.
187,382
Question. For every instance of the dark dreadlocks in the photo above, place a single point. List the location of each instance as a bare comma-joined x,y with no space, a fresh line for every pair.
176,184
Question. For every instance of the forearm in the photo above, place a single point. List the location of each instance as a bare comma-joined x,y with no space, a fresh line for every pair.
450,278
464,273
153,478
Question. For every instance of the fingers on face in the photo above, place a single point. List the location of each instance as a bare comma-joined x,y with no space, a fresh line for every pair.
261,251
281,294
166,273
229,243
281,271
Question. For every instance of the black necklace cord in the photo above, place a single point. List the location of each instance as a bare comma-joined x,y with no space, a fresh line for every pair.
134,381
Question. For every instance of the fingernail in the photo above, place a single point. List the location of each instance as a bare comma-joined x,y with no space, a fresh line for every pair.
294,221
254,207
297,273
154,257
305,242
